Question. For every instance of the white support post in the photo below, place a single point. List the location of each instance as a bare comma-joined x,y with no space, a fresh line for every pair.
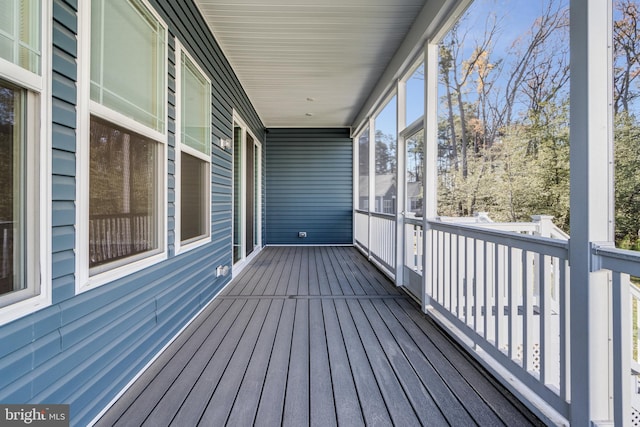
545,224
430,172
401,179
356,185
590,187
372,180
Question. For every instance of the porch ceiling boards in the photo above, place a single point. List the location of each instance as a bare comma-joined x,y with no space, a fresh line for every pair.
314,336
332,51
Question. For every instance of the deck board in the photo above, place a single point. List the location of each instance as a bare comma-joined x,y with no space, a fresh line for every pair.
348,409
252,383
323,411
314,336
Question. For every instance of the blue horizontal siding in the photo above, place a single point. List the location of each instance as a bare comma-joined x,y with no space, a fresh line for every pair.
85,347
309,186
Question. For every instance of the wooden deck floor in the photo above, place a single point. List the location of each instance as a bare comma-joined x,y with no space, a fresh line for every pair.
314,336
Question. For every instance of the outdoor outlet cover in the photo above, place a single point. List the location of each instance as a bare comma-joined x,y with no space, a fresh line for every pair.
302,234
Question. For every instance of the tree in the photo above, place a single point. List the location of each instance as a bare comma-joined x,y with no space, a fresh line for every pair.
626,45
626,38
505,119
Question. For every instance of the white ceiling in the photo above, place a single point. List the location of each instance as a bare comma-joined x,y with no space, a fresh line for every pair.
318,57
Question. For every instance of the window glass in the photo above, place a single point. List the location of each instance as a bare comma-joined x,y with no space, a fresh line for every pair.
363,167
415,95
20,33
128,61
386,163
414,163
196,108
123,191
12,190
193,202
195,134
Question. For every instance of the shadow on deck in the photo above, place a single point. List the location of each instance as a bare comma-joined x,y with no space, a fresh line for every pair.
314,336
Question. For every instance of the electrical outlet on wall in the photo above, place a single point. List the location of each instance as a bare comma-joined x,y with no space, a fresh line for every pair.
302,234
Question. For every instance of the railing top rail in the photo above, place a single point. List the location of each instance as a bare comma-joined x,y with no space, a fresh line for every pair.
506,226
542,245
557,233
615,259
414,221
390,217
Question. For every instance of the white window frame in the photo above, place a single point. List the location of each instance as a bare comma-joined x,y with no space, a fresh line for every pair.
183,148
402,92
38,130
87,108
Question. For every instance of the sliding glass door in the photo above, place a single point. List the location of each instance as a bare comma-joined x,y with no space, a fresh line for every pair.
246,193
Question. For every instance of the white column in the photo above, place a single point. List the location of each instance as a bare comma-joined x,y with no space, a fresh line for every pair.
401,179
355,196
590,222
372,177
430,173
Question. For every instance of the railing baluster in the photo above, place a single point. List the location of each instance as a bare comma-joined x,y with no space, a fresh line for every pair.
512,304
454,286
461,263
622,339
449,278
486,289
476,302
468,292
564,330
545,320
526,359
440,263
498,291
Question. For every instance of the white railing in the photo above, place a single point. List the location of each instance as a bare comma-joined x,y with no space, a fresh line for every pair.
362,228
625,321
504,295
414,245
540,225
383,240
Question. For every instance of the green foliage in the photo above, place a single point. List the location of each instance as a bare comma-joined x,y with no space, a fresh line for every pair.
524,172
627,179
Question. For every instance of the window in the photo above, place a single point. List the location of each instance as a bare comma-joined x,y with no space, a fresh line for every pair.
123,223
24,227
123,193
363,171
16,186
194,117
128,41
20,33
386,161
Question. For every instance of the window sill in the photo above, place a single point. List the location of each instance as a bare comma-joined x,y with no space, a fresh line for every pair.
119,272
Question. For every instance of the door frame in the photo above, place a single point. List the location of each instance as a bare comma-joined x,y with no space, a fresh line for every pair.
243,196
404,277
